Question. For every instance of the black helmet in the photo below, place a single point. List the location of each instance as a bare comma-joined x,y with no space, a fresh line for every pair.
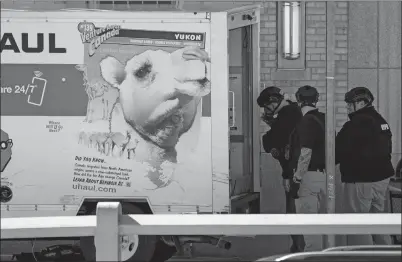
271,94
307,95
358,94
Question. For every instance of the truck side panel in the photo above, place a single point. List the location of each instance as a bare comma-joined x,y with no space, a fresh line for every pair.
220,116
105,110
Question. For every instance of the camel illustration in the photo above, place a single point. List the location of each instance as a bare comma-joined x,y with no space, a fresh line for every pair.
159,96
95,90
119,143
93,140
83,138
103,143
131,146
100,141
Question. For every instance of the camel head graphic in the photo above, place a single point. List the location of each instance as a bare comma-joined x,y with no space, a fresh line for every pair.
160,91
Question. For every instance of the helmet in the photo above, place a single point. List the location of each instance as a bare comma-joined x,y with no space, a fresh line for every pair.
307,95
358,94
271,94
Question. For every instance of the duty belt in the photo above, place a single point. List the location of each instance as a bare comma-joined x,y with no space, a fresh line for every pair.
316,169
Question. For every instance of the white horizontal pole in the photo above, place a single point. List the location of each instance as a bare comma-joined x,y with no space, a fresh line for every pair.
312,224
47,227
283,224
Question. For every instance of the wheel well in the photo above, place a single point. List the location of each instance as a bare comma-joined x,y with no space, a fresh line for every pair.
89,205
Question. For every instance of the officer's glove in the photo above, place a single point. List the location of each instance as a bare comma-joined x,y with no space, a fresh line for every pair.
268,119
275,153
294,187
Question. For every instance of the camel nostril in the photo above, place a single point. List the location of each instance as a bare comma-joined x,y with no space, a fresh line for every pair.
203,81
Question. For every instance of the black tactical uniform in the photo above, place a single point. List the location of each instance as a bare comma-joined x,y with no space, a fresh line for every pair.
276,140
363,150
308,150
277,137
364,147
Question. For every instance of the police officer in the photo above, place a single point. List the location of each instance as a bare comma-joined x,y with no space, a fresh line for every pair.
276,141
363,150
308,148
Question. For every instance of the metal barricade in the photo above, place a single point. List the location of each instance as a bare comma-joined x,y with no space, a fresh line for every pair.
343,256
364,248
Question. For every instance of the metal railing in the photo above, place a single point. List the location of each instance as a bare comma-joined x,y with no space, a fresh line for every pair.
109,224
341,256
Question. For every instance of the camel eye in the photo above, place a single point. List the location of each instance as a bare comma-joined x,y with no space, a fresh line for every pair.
143,71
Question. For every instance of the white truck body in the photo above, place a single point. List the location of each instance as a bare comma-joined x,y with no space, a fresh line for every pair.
96,104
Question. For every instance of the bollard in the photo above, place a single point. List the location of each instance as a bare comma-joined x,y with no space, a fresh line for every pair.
330,117
107,239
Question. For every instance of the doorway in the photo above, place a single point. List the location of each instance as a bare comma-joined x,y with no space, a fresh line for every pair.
241,173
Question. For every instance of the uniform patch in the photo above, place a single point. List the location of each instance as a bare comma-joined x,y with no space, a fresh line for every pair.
384,127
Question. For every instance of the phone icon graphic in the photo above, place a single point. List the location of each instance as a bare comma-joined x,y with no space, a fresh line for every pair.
37,91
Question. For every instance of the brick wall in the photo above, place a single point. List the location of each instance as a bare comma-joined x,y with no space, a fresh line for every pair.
268,48
341,62
315,41
314,75
367,51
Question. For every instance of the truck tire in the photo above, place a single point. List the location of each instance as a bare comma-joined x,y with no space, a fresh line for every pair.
146,244
163,252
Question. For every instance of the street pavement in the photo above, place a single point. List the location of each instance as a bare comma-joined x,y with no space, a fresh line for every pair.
246,249
243,249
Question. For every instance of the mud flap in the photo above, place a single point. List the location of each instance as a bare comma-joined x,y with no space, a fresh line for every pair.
53,253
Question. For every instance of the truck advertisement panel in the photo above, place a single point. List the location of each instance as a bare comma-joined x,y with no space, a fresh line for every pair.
112,110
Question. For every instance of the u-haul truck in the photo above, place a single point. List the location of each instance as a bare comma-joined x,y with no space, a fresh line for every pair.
152,109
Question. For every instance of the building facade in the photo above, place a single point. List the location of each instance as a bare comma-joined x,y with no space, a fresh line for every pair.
361,39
